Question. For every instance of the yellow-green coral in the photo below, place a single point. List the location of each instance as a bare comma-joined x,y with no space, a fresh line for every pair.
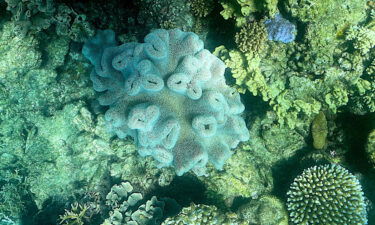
243,10
201,8
363,38
251,38
75,216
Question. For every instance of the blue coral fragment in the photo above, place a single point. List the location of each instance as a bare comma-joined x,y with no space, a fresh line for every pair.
280,29
169,94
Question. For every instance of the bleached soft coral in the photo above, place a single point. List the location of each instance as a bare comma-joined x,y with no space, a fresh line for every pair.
169,93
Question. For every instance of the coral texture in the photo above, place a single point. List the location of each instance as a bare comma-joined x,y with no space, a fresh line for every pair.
243,11
251,38
202,215
37,15
280,29
326,194
169,93
127,208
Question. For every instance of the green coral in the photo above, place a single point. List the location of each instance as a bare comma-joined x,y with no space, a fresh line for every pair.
243,10
326,194
241,178
300,79
318,10
201,8
295,99
363,38
251,38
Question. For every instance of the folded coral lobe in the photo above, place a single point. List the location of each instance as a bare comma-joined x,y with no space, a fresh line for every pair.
170,95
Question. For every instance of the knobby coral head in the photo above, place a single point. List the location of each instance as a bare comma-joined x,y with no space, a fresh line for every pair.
170,95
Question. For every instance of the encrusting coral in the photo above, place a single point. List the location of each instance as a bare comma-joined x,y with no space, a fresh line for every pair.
35,16
170,95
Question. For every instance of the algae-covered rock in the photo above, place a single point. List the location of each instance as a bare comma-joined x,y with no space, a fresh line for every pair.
241,178
266,210
17,55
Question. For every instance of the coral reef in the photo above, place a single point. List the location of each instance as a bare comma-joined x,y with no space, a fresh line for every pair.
326,194
173,92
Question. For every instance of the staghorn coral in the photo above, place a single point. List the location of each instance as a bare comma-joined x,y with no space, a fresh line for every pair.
326,194
170,95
